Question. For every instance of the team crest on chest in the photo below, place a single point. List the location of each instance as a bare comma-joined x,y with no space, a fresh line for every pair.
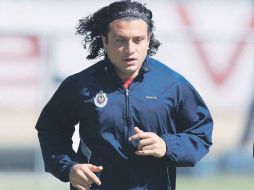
100,99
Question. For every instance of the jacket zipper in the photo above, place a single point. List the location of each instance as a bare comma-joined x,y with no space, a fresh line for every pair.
128,123
127,108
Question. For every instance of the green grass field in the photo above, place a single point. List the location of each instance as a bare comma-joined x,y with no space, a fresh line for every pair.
28,181
216,182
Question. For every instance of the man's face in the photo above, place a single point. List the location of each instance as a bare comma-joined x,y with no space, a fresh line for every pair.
126,44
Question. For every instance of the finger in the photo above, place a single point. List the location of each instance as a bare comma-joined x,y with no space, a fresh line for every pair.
85,181
78,177
134,137
137,130
80,187
138,136
93,177
148,147
145,152
94,168
82,179
145,142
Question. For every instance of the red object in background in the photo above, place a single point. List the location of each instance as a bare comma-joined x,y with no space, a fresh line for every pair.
16,52
18,47
221,77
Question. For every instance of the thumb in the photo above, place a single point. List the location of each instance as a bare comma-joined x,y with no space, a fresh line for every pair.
137,130
94,168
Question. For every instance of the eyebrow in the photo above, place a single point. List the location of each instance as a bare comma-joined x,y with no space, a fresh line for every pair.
138,36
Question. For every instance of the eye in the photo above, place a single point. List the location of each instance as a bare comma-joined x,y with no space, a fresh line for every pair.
139,40
120,40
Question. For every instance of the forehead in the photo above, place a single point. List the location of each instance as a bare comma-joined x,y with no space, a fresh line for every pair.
128,27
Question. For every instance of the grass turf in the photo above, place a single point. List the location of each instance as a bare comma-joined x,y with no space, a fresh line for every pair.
31,181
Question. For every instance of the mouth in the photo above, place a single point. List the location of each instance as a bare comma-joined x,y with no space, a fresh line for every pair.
128,60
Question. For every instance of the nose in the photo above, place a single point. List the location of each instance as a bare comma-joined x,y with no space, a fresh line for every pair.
130,47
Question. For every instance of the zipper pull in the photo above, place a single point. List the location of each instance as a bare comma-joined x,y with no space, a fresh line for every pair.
127,91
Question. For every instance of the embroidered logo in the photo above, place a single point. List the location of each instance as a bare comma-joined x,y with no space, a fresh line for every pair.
151,97
100,99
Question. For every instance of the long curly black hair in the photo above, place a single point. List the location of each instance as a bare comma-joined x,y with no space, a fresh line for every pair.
94,26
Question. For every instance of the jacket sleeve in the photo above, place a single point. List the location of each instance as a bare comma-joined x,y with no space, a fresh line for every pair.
55,129
193,124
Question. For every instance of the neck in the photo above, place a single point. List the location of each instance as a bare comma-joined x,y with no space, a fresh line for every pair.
126,76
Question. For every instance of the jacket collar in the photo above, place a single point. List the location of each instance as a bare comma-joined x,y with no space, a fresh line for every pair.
145,67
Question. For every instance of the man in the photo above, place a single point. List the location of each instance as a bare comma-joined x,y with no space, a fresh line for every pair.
139,119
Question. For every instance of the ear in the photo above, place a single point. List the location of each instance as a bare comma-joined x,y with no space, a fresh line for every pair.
148,41
148,37
104,41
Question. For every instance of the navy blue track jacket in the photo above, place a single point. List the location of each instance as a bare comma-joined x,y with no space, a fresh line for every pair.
159,100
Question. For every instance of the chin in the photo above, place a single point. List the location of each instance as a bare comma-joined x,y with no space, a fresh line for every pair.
131,68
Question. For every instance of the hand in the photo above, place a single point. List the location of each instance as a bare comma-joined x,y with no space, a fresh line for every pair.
149,143
82,176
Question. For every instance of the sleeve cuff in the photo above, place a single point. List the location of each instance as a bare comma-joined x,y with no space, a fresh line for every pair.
171,146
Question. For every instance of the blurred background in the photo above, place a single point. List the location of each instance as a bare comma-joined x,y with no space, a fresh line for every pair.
210,42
